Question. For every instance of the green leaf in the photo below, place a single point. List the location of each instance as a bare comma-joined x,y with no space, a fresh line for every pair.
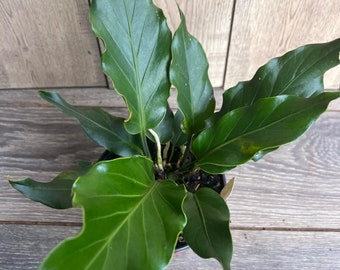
207,231
189,74
179,137
164,129
131,221
56,193
105,129
137,57
298,72
243,132
260,154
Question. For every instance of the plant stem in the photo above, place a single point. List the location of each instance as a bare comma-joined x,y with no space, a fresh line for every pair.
172,152
186,168
159,150
145,145
166,152
187,150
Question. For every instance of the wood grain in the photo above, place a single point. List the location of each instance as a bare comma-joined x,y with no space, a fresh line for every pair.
47,43
285,209
99,97
50,43
95,97
24,247
268,250
263,29
209,21
297,186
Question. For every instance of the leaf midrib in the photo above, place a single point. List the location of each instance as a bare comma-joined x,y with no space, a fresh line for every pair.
141,115
123,222
249,133
201,214
306,70
289,83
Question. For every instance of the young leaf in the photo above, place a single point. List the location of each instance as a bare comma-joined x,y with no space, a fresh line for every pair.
227,189
137,57
179,137
105,129
164,130
207,231
298,72
131,221
243,132
189,74
56,193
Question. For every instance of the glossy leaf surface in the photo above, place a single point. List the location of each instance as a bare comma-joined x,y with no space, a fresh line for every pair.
56,193
131,221
298,72
189,74
164,130
137,57
268,123
105,129
207,231
179,137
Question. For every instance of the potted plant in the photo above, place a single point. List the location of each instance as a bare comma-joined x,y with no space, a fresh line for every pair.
157,177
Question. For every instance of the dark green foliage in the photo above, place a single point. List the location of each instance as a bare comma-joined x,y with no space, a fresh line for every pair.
136,206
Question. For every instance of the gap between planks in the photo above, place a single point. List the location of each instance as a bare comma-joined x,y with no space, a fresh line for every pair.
233,228
100,97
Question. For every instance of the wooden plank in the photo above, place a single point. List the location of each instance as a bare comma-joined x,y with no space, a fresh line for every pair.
56,140
263,29
47,43
94,97
83,97
209,21
334,105
267,250
24,247
297,186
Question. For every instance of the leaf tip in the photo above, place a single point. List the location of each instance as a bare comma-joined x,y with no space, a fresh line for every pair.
227,189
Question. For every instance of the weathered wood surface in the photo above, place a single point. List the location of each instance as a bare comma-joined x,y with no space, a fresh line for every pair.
285,208
25,246
263,29
38,141
209,21
297,186
99,97
47,43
